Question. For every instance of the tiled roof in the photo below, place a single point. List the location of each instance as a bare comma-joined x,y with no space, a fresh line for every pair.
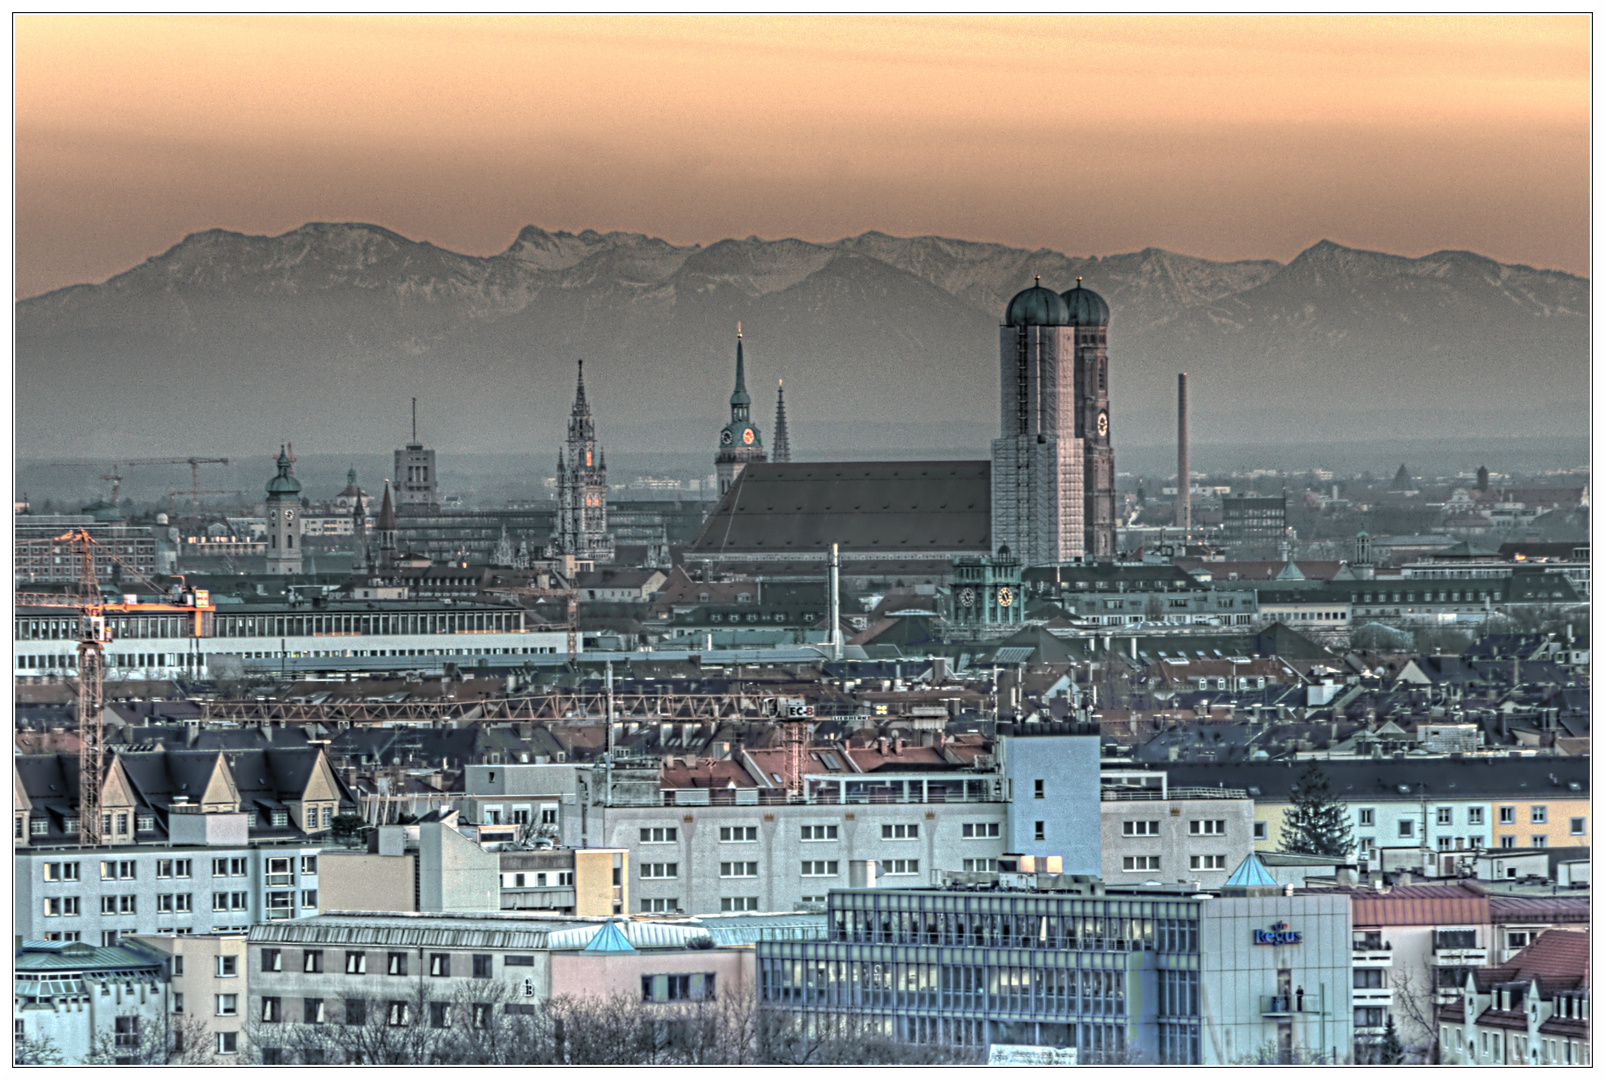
878,507
1564,1027
1503,1018
1558,959
1460,904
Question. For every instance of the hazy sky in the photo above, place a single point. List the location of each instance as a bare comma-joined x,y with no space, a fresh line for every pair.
1227,137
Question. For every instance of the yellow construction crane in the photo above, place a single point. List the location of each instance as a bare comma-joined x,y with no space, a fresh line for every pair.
194,464
94,635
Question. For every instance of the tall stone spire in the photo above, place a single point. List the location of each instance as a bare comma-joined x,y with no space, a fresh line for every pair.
386,527
782,435
580,528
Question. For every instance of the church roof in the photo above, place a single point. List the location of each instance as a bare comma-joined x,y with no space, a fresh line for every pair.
889,508
284,484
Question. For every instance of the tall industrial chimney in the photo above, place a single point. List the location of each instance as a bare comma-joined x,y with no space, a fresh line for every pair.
835,603
1184,472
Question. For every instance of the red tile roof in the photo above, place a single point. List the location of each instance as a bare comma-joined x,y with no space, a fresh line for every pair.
1459,904
1558,959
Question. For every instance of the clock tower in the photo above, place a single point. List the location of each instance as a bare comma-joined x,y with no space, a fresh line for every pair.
739,441
283,505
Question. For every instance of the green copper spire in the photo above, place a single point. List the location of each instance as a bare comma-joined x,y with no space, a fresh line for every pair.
740,399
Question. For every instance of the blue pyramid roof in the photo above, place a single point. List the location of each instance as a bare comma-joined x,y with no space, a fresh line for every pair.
1290,572
609,938
1250,874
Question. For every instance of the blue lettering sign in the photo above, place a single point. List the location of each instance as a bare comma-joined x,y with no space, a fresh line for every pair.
1278,934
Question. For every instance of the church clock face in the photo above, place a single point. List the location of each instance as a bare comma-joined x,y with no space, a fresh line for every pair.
967,597
1005,596
1103,423
724,438
289,515
747,436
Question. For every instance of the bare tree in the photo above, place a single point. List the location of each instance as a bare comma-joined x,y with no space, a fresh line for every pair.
1413,1000
36,1050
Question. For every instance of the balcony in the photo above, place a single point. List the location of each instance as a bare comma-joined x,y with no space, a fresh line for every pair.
1379,996
1276,1006
1459,957
280,880
1372,956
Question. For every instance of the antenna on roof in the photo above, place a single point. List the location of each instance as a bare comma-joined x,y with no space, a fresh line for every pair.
415,421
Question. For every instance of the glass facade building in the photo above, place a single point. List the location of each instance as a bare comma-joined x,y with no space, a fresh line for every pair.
1116,977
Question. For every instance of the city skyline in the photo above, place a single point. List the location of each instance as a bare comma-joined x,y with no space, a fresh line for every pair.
1226,138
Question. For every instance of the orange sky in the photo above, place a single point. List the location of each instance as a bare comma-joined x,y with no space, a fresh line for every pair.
1227,137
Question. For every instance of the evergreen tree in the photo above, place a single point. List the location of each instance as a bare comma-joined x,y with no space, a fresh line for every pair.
1392,1048
1318,823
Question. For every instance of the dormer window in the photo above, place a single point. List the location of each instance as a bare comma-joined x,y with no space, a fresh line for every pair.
280,818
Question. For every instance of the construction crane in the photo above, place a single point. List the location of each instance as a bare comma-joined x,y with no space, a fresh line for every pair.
94,635
194,464
571,602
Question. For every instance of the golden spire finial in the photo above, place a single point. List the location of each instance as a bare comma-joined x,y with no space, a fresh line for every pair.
1078,282
738,328
1039,281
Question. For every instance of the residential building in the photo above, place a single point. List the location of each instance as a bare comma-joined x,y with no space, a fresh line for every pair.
441,970
89,1003
1154,833
197,842
207,996
1530,1010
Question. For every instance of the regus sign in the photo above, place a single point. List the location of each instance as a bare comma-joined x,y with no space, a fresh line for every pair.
1278,934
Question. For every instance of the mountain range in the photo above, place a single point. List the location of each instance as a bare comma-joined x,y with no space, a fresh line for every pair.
230,343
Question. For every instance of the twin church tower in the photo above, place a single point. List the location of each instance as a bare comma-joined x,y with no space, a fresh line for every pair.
1052,468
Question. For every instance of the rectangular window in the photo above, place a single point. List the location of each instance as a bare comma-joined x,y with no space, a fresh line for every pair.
228,967
312,1010
981,830
272,960
1140,863
52,907
228,1004
108,905
1507,815
738,903
39,827
228,1042
1368,978
1368,817
1039,790
819,832
1540,841
439,1014
144,823
900,832
1446,815
279,818
356,963
1261,830
660,836
738,869
356,1013
272,1011
397,964
1208,862
1540,815
1407,828
312,961
1508,842
396,1014
901,866
738,834
661,988
309,865
810,868
660,870
1579,826
482,965
1474,815
1140,828
440,965
1041,831
982,866
1215,827
309,898
327,816
518,961
657,905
